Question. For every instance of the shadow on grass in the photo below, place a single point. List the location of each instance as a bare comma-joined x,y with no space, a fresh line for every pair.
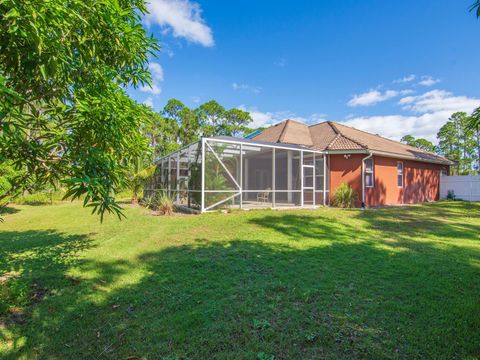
241,298
8,210
439,222
33,266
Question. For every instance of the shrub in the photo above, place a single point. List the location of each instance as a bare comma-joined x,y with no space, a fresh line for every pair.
160,202
344,197
147,201
165,204
38,198
451,195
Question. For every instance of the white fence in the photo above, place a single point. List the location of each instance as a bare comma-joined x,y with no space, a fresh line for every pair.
465,187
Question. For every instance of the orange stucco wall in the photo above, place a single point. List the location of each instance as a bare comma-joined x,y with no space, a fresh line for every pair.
421,180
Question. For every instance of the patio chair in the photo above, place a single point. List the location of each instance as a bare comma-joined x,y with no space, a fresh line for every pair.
263,196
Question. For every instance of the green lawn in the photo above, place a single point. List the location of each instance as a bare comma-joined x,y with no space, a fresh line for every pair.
388,283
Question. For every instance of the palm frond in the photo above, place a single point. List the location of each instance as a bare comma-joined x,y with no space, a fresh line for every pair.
476,8
145,173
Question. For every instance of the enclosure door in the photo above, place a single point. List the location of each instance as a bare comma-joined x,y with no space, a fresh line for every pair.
308,185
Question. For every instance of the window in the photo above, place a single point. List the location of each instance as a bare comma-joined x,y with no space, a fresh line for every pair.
369,172
400,174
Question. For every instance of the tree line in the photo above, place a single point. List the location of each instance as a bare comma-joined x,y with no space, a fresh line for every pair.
177,125
458,140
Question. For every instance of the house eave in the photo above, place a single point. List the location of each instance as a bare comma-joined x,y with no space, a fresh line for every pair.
405,157
390,155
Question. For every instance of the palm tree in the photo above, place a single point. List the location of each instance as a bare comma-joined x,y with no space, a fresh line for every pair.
476,8
140,174
475,126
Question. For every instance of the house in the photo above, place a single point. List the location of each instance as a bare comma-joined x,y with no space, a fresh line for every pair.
292,164
394,173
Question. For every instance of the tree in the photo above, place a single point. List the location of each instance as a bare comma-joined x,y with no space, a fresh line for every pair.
236,122
408,139
474,125
184,121
64,114
456,142
8,174
161,133
190,127
211,116
475,119
172,115
448,145
420,143
209,119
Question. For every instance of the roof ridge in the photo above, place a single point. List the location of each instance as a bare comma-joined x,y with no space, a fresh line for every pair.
332,125
284,131
339,133
335,130
333,141
319,123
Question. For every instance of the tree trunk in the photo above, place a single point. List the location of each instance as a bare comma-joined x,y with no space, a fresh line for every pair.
134,200
478,149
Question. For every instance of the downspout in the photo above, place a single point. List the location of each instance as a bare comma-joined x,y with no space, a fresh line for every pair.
370,154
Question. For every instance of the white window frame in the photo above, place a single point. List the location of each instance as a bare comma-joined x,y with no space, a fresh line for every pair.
400,173
372,171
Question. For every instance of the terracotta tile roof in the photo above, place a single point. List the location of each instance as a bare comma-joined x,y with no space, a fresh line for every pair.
273,133
287,132
322,135
295,132
333,136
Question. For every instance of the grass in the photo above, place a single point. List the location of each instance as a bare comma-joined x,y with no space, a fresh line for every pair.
388,283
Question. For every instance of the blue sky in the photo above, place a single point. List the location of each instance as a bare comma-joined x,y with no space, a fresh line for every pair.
389,67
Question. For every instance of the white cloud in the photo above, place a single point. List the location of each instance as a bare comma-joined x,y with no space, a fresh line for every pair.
371,97
156,70
153,89
396,126
439,100
428,81
316,118
406,92
196,99
261,119
149,101
311,119
183,18
157,76
433,109
265,119
236,86
245,87
405,79
166,49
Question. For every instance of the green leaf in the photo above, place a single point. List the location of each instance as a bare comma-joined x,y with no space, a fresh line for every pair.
43,71
13,13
